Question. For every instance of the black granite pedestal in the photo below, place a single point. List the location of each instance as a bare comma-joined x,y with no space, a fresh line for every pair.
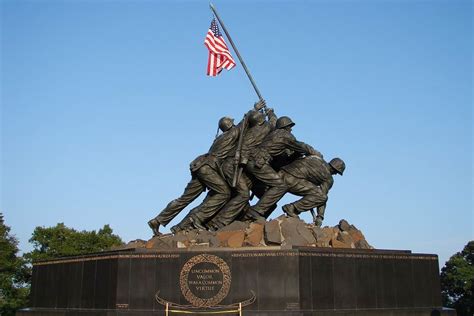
267,281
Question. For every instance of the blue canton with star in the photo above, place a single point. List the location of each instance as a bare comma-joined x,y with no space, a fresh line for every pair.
215,28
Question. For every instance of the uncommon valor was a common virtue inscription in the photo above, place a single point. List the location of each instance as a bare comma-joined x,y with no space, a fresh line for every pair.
205,280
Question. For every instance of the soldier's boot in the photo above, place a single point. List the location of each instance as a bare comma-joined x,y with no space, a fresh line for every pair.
214,226
318,221
185,224
197,223
255,216
175,229
290,210
155,226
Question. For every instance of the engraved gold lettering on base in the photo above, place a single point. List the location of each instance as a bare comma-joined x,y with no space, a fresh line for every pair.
205,280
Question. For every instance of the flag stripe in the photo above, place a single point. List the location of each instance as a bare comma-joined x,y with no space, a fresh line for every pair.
217,48
219,55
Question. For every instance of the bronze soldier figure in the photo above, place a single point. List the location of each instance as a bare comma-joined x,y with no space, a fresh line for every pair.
278,142
311,178
257,130
205,174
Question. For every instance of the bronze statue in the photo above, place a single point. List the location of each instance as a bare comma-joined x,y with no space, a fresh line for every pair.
278,142
205,172
311,178
257,130
259,155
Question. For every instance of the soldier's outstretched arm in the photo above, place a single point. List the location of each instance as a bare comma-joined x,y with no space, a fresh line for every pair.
239,125
271,117
309,150
303,148
326,185
257,107
260,105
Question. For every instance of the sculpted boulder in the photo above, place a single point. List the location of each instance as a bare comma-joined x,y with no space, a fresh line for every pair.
282,231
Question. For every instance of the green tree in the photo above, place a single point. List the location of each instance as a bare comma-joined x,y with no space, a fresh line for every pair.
14,273
457,281
60,241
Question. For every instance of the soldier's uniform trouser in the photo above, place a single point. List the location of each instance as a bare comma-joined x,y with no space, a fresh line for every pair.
240,201
276,186
204,177
312,195
216,198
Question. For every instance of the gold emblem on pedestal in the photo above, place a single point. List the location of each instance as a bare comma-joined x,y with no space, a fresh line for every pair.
220,265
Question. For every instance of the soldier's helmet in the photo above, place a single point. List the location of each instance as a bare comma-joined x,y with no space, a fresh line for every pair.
226,123
283,122
256,118
338,164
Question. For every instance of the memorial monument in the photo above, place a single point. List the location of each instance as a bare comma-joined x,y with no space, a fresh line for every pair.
226,257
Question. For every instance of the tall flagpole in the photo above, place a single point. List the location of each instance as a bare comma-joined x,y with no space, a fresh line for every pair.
237,168
236,50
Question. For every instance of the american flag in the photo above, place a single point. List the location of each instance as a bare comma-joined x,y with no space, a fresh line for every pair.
219,54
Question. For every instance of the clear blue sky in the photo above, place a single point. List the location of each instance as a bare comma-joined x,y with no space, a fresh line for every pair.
105,103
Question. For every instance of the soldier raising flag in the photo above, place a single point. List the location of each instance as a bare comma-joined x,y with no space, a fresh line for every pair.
259,154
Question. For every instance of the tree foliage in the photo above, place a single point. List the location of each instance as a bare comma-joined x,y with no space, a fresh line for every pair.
60,241
14,273
457,281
